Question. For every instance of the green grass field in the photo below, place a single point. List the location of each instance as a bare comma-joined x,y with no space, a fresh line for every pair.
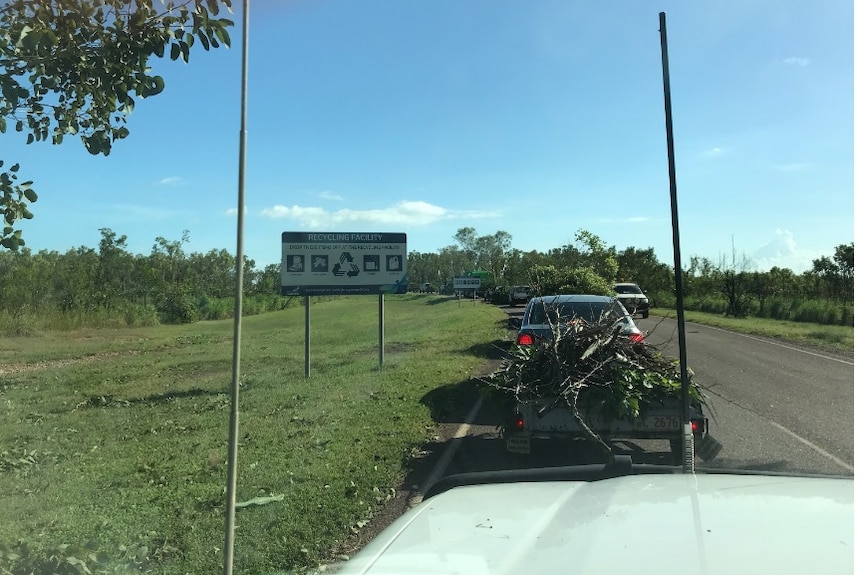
113,443
827,337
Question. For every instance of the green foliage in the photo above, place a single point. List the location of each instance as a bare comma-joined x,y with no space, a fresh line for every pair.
548,280
113,288
14,198
632,388
20,323
74,68
177,305
797,309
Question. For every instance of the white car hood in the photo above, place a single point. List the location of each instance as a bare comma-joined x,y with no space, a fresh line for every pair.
644,524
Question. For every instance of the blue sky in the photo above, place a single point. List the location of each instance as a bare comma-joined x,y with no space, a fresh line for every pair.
538,118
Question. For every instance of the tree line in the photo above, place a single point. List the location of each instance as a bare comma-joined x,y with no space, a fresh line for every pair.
108,285
729,285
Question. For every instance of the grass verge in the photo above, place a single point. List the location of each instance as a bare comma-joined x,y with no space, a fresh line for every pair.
113,442
834,338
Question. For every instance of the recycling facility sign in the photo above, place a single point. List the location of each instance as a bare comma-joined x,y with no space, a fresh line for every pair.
343,263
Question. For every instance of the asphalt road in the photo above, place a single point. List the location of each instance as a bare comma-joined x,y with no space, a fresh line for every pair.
774,407
777,406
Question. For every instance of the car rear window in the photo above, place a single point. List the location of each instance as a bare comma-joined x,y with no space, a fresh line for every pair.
561,312
627,289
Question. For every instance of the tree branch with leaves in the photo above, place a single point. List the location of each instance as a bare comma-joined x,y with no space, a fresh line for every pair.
76,67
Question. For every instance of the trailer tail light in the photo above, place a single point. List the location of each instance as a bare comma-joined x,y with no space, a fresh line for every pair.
637,338
698,425
518,422
525,339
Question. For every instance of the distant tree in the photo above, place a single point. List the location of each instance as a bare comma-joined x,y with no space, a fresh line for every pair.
733,282
466,241
492,253
844,261
641,266
836,273
213,273
519,264
598,256
827,272
269,280
74,68
453,261
115,269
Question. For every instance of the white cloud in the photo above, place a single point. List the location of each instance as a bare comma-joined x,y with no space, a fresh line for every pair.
403,213
170,181
782,251
330,196
713,152
233,211
796,61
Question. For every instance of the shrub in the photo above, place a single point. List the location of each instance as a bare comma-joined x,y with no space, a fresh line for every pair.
178,306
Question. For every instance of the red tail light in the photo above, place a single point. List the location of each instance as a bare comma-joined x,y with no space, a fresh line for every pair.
519,422
637,338
698,425
525,339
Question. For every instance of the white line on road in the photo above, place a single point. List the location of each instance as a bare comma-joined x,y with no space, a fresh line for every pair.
816,448
774,343
447,456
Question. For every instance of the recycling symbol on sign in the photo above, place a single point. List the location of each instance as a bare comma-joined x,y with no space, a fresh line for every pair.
339,268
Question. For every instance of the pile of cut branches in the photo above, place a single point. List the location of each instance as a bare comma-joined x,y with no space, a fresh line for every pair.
594,366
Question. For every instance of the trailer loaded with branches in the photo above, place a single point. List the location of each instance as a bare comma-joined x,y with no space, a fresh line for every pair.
590,379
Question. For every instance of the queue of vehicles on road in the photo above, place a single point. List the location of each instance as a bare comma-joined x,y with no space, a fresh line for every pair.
593,518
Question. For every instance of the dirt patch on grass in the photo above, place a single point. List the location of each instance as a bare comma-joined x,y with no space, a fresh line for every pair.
15,368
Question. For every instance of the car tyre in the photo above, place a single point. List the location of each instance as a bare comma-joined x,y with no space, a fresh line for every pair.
645,314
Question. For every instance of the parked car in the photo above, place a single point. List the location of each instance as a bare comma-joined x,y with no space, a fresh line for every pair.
633,297
541,311
519,295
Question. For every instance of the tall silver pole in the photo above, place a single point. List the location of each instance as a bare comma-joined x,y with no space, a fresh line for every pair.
307,336
230,509
687,437
380,332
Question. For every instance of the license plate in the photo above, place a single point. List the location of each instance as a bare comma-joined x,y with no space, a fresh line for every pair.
518,444
662,422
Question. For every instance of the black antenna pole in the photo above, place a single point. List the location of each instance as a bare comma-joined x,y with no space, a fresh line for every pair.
687,436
